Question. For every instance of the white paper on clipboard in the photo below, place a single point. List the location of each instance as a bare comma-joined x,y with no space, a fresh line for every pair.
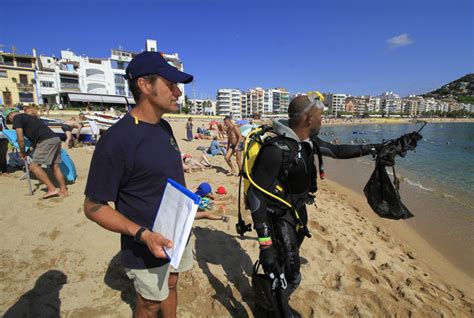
175,218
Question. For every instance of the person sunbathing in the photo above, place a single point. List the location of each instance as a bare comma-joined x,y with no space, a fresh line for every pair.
189,163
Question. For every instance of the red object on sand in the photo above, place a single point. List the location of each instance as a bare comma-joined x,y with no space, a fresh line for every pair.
221,190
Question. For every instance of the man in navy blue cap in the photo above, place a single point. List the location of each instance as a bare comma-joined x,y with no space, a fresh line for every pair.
130,166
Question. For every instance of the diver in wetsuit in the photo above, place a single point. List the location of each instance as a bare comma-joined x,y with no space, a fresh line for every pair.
285,167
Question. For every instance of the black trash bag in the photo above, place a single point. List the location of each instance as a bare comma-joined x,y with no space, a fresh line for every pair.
382,195
266,302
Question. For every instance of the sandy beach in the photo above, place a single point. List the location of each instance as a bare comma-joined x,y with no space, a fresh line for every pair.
55,262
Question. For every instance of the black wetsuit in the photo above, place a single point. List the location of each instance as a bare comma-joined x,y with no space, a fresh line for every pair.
288,164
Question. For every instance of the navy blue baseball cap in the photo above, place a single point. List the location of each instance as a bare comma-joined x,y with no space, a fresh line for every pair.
148,63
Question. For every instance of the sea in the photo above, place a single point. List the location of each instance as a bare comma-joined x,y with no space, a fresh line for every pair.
437,179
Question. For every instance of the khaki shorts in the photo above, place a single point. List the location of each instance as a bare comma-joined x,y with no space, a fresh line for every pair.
47,152
152,283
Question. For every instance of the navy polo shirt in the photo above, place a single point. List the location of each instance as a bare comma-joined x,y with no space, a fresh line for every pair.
130,166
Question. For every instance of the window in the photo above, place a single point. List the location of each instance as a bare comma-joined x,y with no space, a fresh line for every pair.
23,79
47,84
120,91
26,97
122,65
119,79
3,74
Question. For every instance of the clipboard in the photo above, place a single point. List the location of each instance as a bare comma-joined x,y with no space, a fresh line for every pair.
174,218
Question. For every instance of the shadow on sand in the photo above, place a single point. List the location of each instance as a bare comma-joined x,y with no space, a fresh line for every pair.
43,300
236,264
116,278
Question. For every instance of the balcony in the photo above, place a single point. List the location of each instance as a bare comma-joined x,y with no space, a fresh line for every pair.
70,86
25,87
25,64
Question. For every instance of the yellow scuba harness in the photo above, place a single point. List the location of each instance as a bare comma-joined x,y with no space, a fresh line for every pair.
253,143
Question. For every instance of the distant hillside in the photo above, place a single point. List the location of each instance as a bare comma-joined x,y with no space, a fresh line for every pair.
461,89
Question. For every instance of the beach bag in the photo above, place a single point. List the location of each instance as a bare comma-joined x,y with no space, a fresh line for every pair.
265,296
67,167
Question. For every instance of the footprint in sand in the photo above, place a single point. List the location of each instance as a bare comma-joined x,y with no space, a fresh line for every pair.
363,272
372,255
315,225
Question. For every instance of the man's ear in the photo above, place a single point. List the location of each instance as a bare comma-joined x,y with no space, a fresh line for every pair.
144,86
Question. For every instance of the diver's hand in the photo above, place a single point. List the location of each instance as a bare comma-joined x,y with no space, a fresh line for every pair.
375,149
269,260
408,142
370,149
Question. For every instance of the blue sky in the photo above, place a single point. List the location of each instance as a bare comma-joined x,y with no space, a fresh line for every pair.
342,46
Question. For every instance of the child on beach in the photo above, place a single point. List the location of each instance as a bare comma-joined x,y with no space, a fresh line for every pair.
204,190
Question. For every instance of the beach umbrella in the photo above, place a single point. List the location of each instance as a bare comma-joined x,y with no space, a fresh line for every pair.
241,122
245,129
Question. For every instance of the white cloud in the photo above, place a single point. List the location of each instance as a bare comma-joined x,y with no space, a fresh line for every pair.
399,41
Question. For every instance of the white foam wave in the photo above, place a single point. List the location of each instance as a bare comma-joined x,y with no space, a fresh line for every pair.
418,185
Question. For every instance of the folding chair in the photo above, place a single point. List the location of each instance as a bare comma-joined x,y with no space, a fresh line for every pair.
13,140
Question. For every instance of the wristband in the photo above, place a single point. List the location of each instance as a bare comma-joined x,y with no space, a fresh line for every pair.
265,241
138,236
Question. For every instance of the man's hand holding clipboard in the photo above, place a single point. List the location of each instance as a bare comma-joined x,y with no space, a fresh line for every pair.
156,243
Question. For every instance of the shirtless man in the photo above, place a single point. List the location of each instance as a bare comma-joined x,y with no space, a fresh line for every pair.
235,144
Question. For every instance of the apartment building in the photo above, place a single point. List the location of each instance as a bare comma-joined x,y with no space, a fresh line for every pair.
229,102
335,102
17,78
119,60
390,103
202,107
71,79
255,99
276,101
245,105
47,81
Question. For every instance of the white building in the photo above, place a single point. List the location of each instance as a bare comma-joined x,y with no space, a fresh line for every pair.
335,102
276,101
229,102
119,60
390,103
255,100
47,81
81,79
245,105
